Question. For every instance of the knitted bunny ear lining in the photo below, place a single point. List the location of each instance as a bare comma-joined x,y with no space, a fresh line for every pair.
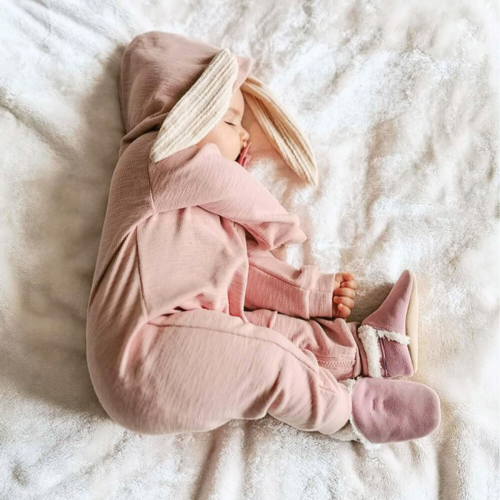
204,105
281,129
199,109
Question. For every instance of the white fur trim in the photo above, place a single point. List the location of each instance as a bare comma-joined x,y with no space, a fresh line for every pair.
369,337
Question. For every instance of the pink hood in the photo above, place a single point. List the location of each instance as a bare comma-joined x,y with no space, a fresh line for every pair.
158,68
154,77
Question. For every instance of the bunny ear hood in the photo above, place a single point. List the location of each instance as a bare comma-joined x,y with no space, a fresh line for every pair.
158,70
173,91
182,87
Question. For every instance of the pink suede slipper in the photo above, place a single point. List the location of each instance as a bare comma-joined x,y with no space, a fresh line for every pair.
389,336
389,411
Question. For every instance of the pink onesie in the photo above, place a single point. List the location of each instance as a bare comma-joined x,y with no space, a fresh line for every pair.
192,321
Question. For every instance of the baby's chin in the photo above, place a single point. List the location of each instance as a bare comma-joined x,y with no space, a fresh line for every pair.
231,155
227,152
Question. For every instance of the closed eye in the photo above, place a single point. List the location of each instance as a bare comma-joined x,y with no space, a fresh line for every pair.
232,124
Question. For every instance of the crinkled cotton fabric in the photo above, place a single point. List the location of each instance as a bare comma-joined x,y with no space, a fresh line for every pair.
191,319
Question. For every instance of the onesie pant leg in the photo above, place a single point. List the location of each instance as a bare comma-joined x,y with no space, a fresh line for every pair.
196,370
298,303
331,341
211,368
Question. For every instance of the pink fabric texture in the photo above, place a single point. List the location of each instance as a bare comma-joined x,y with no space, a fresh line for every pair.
191,320
395,360
391,315
390,411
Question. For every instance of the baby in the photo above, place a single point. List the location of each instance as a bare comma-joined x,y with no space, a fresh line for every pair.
192,321
233,142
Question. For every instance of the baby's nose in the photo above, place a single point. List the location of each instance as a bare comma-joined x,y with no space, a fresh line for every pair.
246,135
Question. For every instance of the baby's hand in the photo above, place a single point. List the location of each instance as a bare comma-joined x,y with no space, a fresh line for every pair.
343,295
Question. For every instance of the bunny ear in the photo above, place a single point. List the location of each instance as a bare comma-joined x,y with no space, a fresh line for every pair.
204,105
199,109
281,129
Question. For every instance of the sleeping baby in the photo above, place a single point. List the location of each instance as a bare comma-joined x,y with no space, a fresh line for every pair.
233,143
192,321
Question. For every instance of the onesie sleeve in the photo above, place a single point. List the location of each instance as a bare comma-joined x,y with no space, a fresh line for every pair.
274,284
223,187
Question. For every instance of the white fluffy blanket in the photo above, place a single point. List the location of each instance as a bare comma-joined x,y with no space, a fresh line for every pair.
400,101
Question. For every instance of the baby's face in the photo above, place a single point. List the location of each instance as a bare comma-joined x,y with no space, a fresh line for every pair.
228,134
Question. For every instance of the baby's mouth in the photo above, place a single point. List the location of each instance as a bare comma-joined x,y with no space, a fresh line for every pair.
244,157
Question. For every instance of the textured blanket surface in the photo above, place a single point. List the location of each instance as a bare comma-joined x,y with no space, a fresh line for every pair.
400,103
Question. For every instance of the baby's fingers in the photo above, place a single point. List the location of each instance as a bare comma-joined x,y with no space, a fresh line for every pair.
346,292
349,284
343,310
344,301
343,276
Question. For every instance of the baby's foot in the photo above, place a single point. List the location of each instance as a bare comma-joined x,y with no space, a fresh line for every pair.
389,411
389,335
343,294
